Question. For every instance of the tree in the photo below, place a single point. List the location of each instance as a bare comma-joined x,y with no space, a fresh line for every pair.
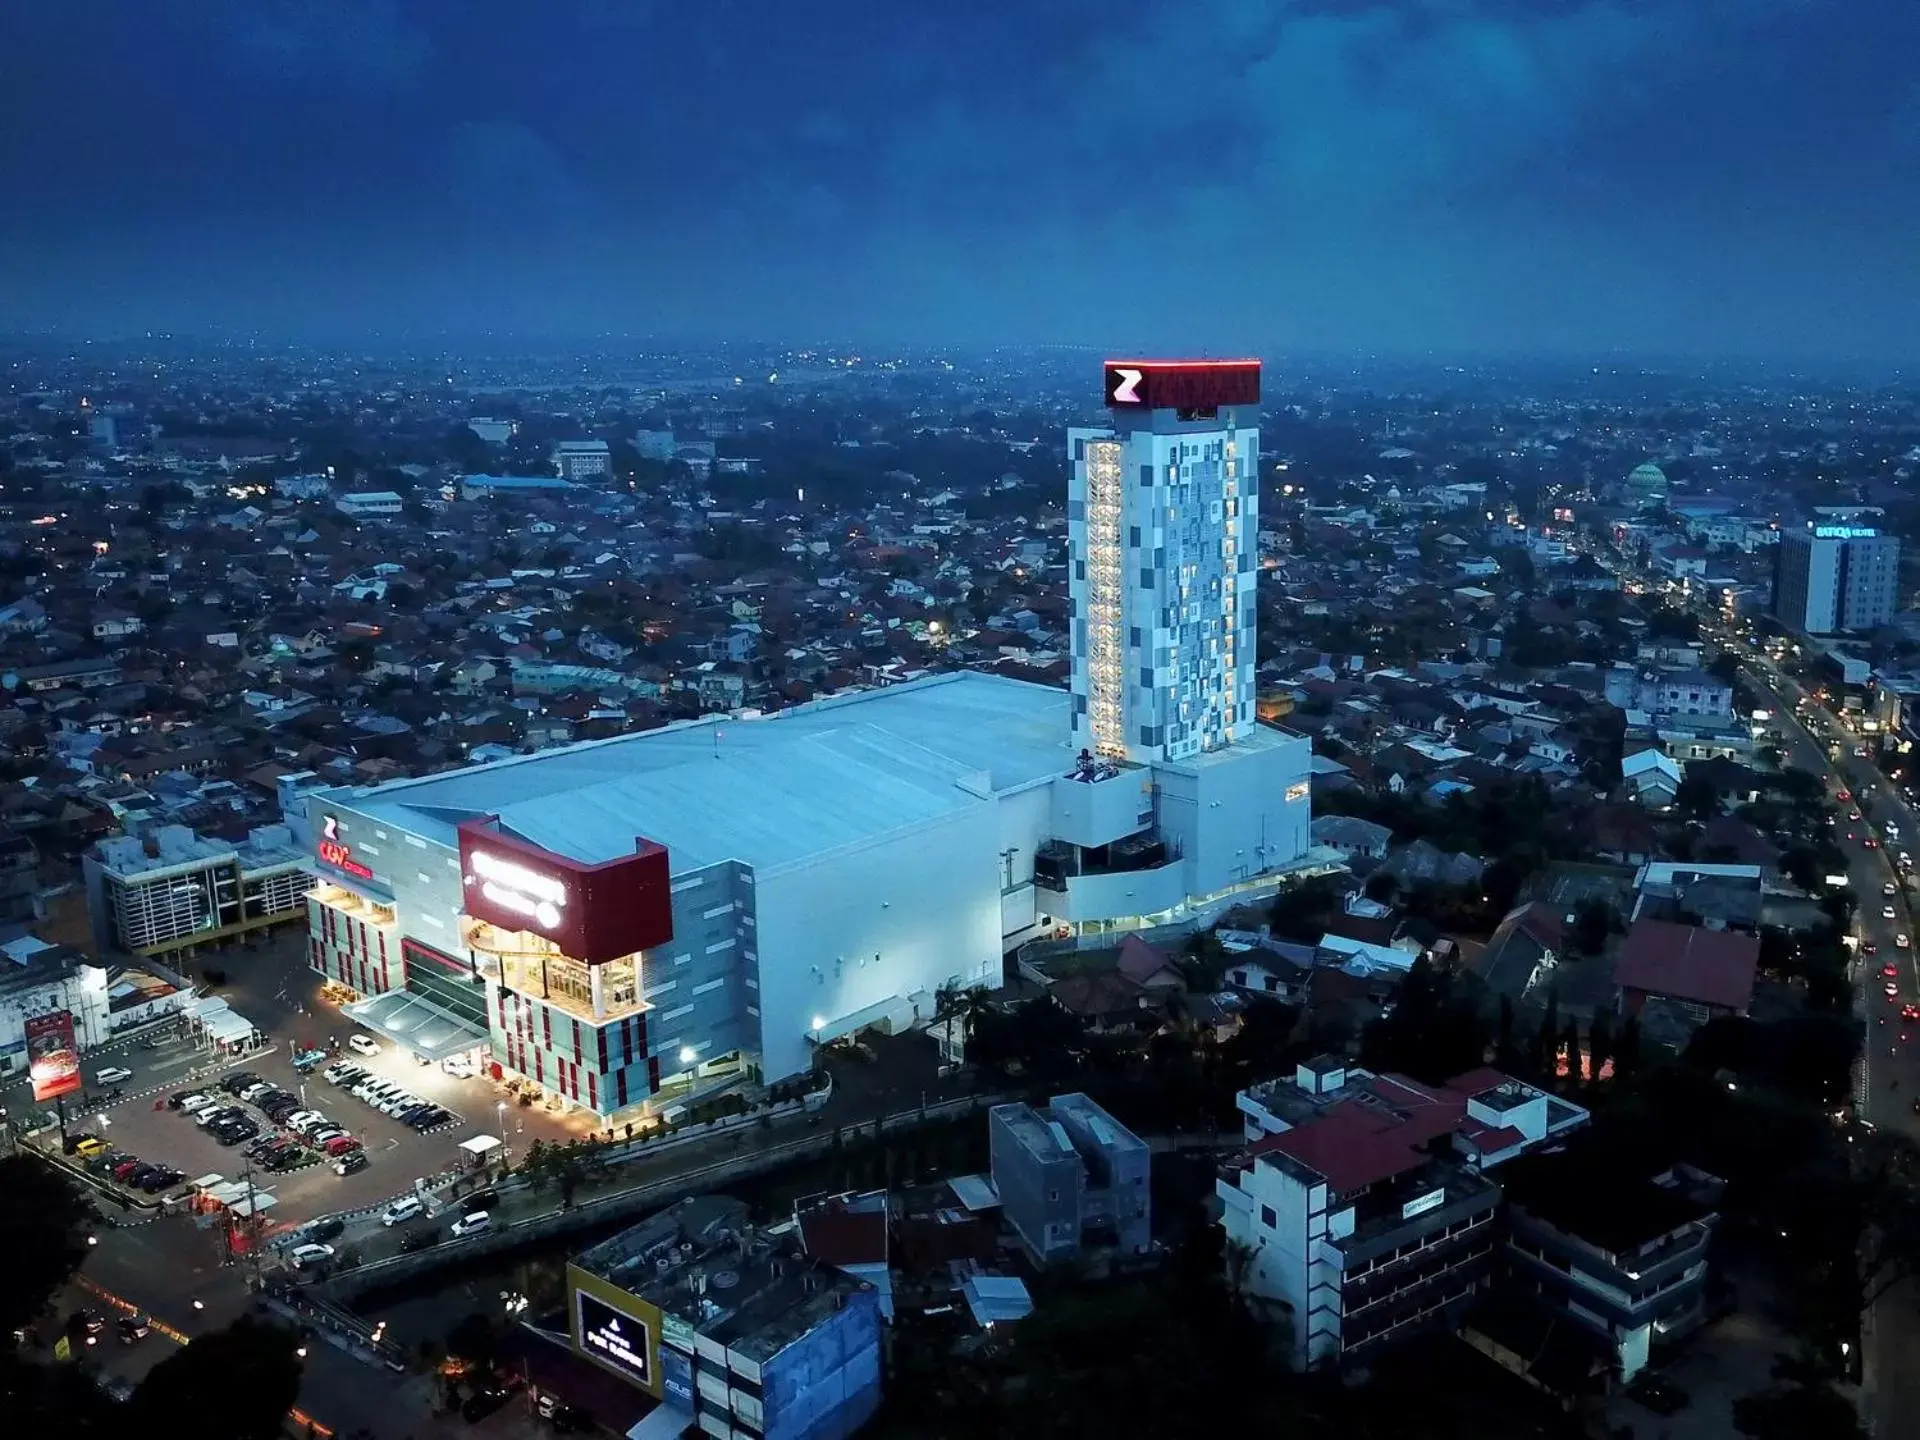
45,1221
1593,920
476,1340
235,1384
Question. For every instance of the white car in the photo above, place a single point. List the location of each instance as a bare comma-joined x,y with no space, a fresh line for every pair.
363,1045
112,1075
301,1119
1889,889
475,1224
194,1104
1886,912
304,1255
401,1211
1902,941
254,1092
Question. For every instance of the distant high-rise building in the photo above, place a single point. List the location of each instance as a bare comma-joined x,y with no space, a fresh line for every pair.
1163,511
581,459
1828,579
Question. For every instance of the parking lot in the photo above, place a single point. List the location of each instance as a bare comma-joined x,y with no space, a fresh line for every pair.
272,987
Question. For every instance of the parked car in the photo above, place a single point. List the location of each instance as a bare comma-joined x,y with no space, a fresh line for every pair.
239,1080
433,1115
342,1074
340,1145
414,1240
164,1177
401,1211
259,1090
125,1168
363,1045
194,1104
132,1329
350,1163
90,1146
477,1222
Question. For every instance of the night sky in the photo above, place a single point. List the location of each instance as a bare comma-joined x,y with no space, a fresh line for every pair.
1712,177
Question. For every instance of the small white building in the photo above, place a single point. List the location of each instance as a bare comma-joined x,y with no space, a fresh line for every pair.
581,459
370,504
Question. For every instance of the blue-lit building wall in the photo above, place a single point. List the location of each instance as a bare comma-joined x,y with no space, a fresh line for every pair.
826,1384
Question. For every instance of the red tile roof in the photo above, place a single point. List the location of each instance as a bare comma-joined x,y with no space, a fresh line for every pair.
1685,962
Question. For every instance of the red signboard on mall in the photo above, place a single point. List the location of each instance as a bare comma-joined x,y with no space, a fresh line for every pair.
53,1060
1181,384
594,913
335,852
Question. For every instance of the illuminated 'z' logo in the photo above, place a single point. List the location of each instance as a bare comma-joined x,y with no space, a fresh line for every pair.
1127,392
330,827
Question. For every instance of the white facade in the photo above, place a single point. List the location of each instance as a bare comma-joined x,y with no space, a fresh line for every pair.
1163,517
369,504
581,459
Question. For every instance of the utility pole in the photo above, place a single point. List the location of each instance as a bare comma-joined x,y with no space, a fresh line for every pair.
253,1220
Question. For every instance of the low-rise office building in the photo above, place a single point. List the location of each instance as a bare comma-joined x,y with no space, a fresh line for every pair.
730,1329
1623,1256
1359,1211
370,504
174,891
1070,1176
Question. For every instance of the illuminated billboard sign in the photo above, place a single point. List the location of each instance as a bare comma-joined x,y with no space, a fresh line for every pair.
614,1338
335,852
1844,532
1181,384
592,913
53,1060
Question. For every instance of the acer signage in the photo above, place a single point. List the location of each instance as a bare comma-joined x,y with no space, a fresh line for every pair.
593,913
1181,384
335,852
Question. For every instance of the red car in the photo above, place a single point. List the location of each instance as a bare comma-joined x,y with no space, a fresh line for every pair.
1892,972
1910,1012
1844,796
342,1144
1871,843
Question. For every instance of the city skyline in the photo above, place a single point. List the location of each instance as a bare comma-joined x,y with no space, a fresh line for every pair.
1474,177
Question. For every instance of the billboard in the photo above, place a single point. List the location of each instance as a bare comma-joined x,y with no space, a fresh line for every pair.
594,913
617,1331
1181,384
53,1060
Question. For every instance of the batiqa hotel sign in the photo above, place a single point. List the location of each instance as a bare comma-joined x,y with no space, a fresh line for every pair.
593,913
1181,384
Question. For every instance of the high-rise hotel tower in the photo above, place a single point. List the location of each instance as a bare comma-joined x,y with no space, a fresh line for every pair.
1162,511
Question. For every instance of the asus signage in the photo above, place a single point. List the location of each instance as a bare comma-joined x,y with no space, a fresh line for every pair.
592,913
1199,385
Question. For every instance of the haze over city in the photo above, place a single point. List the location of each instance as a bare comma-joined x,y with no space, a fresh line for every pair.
1710,178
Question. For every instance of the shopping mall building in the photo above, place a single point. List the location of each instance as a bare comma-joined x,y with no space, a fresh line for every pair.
627,921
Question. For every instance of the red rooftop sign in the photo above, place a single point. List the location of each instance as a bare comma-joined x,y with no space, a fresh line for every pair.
1181,384
594,913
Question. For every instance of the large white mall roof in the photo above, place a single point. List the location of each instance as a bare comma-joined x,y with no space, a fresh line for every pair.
770,792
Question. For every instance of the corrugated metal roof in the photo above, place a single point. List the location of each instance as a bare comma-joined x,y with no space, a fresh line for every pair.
770,792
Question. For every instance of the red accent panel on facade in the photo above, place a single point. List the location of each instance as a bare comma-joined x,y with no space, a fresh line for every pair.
594,913
593,1093
540,1066
546,1027
577,1056
620,1088
626,1046
602,1033
653,1074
